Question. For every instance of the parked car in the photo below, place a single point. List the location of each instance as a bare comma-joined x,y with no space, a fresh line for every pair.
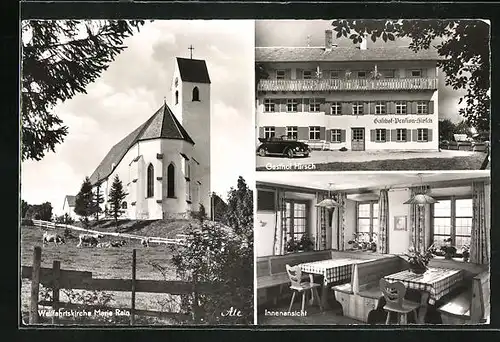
282,146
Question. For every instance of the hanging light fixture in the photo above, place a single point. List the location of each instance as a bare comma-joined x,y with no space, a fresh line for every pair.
421,198
328,203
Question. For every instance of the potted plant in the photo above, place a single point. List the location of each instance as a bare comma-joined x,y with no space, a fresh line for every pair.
292,245
466,253
417,261
305,243
448,250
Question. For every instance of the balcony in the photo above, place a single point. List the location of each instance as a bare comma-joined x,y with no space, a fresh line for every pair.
349,85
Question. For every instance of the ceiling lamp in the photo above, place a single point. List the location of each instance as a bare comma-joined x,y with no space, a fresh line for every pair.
421,198
328,203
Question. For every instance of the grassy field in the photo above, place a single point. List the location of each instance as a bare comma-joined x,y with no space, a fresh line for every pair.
110,262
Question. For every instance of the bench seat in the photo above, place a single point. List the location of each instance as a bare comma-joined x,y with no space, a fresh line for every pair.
344,288
457,309
371,290
272,280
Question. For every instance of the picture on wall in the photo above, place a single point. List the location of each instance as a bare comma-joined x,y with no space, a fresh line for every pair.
400,223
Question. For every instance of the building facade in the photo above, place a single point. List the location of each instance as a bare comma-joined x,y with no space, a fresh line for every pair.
164,164
69,206
360,98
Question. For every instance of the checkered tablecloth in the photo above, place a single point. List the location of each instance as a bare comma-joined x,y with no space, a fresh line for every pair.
436,281
332,270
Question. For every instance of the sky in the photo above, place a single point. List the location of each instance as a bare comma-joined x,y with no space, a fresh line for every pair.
301,32
134,87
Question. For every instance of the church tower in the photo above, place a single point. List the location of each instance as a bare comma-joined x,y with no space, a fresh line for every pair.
192,106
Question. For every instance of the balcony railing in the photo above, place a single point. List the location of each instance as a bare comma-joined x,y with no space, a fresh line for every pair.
349,85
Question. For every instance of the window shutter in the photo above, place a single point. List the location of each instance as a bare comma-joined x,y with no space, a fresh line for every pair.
325,74
387,135
288,74
272,73
282,103
372,135
391,107
371,107
300,74
305,105
346,108
407,133
394,135
414,107
261,132
342,135
429,134
322,133
325,108
276,105
424,72
365,108
430,108
402,73
328,134
409,108
303,133
414,135
279,131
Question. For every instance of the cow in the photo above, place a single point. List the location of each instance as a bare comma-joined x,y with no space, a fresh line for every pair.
52,237
145,242
118,243
104,245
89,239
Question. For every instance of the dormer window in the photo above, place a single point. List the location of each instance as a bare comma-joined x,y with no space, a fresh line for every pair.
196,94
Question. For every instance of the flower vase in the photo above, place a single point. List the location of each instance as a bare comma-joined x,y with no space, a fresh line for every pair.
417,269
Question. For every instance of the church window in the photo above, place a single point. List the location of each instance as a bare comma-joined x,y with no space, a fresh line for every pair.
171,181
196,94
176,97
124,205
150,181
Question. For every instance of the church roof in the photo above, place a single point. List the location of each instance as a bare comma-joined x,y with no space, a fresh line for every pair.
193,70
341,54
71,200
162,125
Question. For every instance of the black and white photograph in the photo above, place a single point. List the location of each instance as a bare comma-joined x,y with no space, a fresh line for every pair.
373,95
394,248
133,209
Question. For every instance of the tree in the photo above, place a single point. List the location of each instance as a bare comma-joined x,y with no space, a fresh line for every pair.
462,128
24,208
463,45
219,207
84,202
40,212
446,129
98,200
202,213
116,197
239,212
59,59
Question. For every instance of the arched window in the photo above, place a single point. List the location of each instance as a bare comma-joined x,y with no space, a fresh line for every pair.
171,181
150,181
176,97
124,205
196,94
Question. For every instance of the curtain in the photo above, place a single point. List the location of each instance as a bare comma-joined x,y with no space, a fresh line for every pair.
280,227
322,224
383,221
417,221
479,247
341,200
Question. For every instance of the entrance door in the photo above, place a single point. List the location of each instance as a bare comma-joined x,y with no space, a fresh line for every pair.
358,139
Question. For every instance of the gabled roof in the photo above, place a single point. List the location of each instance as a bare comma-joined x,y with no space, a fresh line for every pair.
342,54
193,70
162,125
70,199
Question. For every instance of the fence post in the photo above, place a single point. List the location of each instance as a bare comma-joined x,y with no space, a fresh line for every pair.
35,284
196,312
56,273
132,310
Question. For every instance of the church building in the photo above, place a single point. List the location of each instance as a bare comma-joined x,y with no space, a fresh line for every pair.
164,164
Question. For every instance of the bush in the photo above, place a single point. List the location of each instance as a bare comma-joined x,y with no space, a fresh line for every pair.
27,222
343,149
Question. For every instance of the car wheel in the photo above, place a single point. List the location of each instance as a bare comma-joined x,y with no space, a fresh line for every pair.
306,155
262,152
290,153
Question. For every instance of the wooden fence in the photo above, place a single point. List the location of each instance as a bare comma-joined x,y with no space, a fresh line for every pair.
152,239
57,279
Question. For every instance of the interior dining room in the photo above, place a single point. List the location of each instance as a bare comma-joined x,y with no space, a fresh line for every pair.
373,248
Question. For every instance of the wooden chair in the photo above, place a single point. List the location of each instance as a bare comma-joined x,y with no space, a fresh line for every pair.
394,294
298,286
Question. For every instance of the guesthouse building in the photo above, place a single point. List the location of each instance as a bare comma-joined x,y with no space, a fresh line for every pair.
359,98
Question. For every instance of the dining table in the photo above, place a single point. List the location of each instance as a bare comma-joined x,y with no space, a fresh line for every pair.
334,271
433,284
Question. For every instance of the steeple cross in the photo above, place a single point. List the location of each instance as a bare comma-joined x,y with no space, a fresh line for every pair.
191,48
